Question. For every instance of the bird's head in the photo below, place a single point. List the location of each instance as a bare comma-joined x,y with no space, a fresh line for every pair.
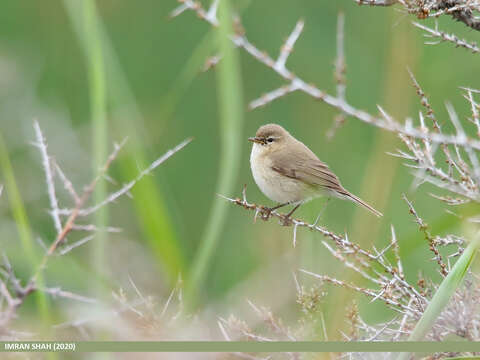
270,137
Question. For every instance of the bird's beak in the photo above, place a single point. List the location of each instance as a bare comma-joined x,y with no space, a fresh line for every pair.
256,140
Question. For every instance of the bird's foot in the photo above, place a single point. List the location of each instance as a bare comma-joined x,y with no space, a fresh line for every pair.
266,213
286,220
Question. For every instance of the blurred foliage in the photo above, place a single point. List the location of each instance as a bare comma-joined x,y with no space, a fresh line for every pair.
158,63
231,105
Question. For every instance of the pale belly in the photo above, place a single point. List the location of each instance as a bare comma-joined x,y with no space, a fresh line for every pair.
277,187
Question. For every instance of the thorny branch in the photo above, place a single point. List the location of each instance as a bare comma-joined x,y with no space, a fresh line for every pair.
428,236
395,291
340,72
69,224
11,300
136,312
439,36
465,11
235,328
455,174
79,209
455,169
47,166
386,279
295,83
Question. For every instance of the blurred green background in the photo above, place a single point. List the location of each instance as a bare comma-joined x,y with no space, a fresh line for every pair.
157,95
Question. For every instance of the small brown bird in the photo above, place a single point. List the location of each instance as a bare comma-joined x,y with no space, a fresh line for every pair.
288,172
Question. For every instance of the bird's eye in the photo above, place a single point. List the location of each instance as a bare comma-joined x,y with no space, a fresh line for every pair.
270,139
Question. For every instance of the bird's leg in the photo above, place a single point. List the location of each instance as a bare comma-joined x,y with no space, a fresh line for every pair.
279,206
286,220
293,210
268,211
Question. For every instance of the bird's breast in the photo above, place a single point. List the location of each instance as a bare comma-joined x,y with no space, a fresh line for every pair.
276,186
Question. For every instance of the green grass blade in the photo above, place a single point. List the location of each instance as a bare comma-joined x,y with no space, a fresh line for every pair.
98,108
231,119
153,214
149,202
441,298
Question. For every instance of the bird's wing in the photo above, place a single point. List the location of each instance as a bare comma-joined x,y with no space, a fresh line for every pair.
306,167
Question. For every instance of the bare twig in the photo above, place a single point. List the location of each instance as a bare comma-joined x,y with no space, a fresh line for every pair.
66,249
57,292
67,184
47,167
296,83
428,236
443,36
210,15
376,2
287,48
127,187
456,170
340,71
83,199
346,248
460,10
6,271
395,304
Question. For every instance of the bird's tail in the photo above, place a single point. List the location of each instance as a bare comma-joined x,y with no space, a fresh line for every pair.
357,200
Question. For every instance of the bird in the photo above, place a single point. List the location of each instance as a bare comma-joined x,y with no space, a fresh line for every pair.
289,173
